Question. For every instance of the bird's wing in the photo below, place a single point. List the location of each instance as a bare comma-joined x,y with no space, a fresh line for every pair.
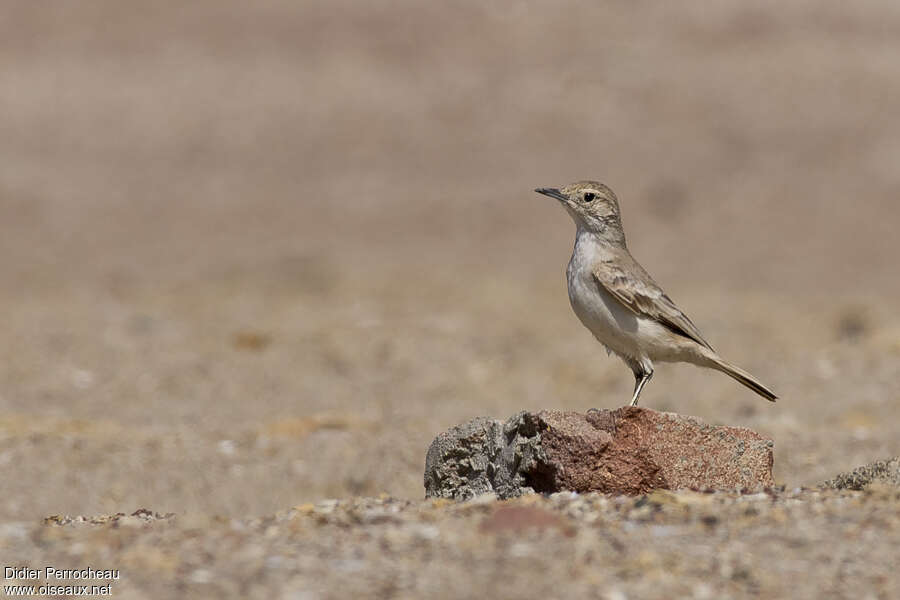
630,284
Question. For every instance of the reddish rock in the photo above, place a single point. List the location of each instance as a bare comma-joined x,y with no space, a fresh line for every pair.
518,519
634,450
629,450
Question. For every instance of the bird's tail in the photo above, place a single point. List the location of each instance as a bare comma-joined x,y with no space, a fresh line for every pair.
743,377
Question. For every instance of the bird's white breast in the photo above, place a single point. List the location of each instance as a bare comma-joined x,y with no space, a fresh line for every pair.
614,325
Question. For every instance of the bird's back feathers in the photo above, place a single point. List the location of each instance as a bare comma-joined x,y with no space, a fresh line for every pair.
623,277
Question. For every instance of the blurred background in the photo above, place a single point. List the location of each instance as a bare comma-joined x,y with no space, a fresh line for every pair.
258,254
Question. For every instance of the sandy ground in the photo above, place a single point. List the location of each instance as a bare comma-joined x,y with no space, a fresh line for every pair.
801,545
257,257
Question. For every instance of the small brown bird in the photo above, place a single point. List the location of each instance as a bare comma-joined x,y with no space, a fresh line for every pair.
618,301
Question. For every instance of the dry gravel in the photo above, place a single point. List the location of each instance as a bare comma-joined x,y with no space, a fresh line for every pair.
799,544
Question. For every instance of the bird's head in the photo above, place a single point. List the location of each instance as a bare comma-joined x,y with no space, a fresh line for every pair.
593,206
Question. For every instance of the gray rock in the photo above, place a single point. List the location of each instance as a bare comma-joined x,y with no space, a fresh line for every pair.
882,471
476,458
630,450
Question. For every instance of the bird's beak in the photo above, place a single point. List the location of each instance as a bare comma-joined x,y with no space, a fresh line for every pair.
552,192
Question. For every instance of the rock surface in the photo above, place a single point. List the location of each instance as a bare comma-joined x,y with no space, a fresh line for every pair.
630,450
885,472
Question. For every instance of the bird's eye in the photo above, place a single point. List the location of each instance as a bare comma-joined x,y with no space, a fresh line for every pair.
589,196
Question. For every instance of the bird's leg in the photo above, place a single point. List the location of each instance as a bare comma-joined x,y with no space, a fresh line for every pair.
642,374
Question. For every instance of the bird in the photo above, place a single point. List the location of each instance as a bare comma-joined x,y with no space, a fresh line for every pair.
617,300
